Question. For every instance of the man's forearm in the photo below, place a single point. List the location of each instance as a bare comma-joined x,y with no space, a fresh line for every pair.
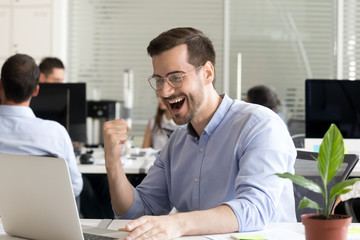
221,219
214,221
121,192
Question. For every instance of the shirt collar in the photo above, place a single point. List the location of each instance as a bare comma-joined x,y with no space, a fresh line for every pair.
216,119
16,111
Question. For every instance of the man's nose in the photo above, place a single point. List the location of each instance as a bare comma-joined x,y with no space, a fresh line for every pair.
166,90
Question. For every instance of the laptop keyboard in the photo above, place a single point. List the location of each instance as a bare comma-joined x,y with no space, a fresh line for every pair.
88,236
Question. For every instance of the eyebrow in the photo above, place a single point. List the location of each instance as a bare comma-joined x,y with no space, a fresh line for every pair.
156,75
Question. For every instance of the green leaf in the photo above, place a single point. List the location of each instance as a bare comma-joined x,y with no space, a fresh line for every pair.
300,180
308,203
341,188
331,154
342,191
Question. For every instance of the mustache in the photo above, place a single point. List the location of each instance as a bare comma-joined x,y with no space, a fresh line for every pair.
173,97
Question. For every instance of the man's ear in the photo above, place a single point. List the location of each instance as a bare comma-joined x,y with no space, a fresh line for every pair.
42,77
36,91
209,72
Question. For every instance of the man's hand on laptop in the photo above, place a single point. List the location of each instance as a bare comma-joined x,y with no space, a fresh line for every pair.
154,227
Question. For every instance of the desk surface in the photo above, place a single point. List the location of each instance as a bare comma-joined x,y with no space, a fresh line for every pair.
140,164
274,231
139,160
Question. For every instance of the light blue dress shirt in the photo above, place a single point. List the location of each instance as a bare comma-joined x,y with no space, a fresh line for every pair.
233,163
21,132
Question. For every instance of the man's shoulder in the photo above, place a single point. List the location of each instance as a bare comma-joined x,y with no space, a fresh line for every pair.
50,127
241,108
243,115
47,122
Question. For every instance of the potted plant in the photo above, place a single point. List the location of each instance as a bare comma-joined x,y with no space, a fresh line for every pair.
324,225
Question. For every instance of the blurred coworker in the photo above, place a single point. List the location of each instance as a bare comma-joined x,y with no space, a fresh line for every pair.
264,96
21,132
159,128
52,70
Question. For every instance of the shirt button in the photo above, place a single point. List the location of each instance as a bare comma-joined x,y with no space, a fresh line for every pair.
201,149
196,180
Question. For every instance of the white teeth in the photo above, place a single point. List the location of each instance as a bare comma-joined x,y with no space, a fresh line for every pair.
175,100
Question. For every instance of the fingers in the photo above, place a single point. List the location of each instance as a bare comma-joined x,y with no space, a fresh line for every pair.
115,131
123,230
140,229
136,223
148,227
115,136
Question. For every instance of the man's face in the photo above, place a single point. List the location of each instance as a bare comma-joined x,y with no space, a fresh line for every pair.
57,76
183,103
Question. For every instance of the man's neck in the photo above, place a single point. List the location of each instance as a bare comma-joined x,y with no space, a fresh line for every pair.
201,121
12,103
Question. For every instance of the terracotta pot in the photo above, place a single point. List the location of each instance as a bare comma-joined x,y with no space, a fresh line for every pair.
325,229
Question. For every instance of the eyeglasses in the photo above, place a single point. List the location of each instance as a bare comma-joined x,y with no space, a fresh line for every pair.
175,80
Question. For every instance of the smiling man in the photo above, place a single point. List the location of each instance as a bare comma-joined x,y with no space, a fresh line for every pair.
218,171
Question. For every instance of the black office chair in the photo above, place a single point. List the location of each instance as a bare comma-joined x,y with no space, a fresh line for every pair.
296,126
299,140
296,129
352,208
306,166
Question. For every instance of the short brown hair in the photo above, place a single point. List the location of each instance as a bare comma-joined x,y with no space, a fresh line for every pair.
200,47
48,64
19,76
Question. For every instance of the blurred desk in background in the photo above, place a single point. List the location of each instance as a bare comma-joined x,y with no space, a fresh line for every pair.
138,161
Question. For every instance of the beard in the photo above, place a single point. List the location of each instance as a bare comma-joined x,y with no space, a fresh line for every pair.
194,102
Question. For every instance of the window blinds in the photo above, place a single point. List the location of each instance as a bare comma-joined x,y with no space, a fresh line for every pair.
282,43
350,40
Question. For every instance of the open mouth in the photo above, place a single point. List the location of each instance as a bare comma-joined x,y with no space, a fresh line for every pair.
177,103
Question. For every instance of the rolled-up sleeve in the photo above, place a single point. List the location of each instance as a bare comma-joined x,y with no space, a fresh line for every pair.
258,192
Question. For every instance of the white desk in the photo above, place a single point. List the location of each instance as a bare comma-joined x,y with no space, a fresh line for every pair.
132,164
274,231
282,231
143,163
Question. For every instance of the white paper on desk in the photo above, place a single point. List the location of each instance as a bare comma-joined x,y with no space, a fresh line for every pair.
273,234
124,161
219,236
100,162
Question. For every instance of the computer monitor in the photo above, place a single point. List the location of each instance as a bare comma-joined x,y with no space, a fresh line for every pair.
333,101
64,103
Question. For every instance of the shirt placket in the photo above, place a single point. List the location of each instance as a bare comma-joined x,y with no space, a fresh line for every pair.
197,173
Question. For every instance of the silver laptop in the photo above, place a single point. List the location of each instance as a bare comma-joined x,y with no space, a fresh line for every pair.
37,201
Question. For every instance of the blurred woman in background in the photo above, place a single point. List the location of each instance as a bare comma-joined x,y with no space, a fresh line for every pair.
159,128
